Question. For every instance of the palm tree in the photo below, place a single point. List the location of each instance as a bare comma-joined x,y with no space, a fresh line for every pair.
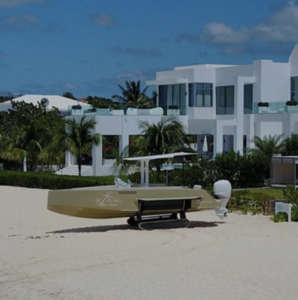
167,136
24,145
26,133
79,138
267,146
132,95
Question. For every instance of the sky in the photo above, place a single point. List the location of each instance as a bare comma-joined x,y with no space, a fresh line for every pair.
89,47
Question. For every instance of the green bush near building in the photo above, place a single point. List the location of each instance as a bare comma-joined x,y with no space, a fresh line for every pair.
51,181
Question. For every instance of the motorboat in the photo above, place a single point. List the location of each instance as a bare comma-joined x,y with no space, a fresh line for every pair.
146,206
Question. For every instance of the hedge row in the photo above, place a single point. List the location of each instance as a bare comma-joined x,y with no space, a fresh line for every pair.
51,181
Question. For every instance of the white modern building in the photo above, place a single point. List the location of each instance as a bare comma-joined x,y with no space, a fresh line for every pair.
229,104
222,101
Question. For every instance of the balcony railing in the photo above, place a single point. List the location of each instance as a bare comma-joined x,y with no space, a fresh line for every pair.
156,111
274,108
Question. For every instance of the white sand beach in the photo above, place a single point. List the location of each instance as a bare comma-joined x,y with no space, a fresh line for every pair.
44,255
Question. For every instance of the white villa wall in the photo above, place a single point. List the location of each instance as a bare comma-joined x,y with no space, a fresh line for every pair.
201,126
228,76
205,75
293,61
170,77
272,81
201,113
269,128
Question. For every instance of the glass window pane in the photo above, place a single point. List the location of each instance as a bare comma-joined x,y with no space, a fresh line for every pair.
169,95
294,88
162,95
191,96
248,98
225,100
182,100
229,100
220,100
199,98
176,94
208,98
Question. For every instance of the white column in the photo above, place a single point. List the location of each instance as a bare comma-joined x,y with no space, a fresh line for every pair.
67,159
97,151
142,173
147,173
250,136
123,141
239,113
218,138
25,164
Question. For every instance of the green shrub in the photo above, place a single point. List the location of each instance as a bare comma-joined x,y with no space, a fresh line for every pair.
283,217
51,181
279,217
290,194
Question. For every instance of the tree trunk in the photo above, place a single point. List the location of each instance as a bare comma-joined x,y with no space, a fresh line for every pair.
79,160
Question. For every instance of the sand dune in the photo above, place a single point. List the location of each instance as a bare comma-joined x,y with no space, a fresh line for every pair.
44,255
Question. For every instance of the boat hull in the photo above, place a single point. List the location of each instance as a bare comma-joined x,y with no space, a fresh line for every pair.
111,202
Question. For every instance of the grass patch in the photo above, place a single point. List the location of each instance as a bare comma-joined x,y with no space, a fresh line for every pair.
275,193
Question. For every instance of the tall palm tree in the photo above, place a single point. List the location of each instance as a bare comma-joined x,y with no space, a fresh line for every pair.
79,138
167,136
133,95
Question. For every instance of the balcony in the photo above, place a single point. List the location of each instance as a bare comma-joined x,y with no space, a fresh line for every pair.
274,108
129,111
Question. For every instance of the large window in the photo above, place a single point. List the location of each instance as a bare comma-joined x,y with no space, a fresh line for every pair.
225,100
172,94
248,98
200,94
294,88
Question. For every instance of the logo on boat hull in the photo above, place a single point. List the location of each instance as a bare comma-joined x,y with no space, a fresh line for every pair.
107,200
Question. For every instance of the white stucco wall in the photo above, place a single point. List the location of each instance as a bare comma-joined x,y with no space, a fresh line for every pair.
272,81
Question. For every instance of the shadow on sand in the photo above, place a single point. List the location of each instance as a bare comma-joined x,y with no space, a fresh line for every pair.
105,228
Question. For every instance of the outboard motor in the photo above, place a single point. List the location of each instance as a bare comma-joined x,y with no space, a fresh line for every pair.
222,191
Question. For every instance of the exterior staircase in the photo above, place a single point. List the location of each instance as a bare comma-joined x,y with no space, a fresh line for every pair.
73,170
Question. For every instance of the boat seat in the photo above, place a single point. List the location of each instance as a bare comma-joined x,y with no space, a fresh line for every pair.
197,187
119,183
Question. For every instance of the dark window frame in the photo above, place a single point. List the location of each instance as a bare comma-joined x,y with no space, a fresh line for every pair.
204,87
226,109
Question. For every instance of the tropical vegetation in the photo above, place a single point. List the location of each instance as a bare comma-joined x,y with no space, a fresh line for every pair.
132,95
166,136
34,138
26,133
78,138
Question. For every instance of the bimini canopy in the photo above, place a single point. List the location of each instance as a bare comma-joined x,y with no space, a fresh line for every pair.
145,163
